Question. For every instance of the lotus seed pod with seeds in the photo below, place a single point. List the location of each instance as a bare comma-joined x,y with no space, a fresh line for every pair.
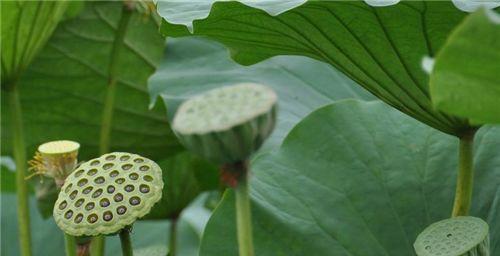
227,124
106,194
460,236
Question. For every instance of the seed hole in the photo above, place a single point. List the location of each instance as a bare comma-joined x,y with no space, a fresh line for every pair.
111,189
124,158
79,202
121,210
107,166
89,206
129,188
120,180
97,193
82,182
110,157
104,202
126,167
107,216
78,173
144,168
92,172
118,197
95,162
87,190
134,176
68,214
144,188
427,247
99,180
73,194
148,178
68,188
138,160
92,218
113,174
135,200
449,235
63,205
79,218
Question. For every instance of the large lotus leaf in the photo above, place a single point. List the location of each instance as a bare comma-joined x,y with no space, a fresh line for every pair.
185,177
465,79
381,48
193,65
358,179
63,91
48,238
26,26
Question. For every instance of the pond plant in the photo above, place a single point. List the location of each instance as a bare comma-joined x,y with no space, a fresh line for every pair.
227,125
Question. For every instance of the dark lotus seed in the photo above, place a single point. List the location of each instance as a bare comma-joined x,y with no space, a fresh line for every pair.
62,205
120,180
78,218
104,202
113,174
121,210
111,189
110,157
135,200
107,216
144,188
134,176
68,188
79,202
99,180
73,194
78,173
94,163
82,182
124,158
148,178
107,166
68,214
92,172
97,193
139,160
129,188
118,197
126,167
89,206
87,190
144,168
92,218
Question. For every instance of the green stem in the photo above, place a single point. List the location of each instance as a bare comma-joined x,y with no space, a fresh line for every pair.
463,193
20,159
243,215
126,243
70,244
172,248
98,243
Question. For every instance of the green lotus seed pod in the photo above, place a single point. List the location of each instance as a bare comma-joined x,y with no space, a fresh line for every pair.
460,236
227,124
106,194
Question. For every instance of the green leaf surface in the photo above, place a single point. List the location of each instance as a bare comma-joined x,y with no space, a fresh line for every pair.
381,48
48,238
26,27
465,80
357,179
185,177
63,91
192,66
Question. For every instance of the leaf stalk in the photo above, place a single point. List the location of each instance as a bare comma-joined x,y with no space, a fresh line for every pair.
465,178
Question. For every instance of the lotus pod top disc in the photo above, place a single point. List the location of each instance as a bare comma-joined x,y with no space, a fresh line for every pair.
105,194
453,237
58,147
227,124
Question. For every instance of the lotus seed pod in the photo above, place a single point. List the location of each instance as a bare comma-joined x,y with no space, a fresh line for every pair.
106,194
460,236
227,124
56,159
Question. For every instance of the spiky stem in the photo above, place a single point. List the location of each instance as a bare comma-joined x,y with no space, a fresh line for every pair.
465,178
70,245
172,248
126,243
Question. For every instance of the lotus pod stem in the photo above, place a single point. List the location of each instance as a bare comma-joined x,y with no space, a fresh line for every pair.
459,236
